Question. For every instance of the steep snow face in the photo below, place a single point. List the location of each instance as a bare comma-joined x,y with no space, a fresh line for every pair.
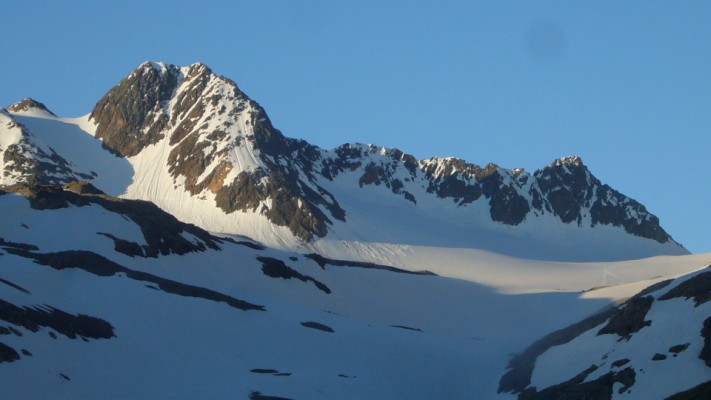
655,345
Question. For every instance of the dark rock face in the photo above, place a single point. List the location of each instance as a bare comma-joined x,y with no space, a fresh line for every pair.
698,288
323,261
659,357
8,354
67,324
163,232
567,187
576,388
678,348
292,184
452,178
699,392
294,204
42,197
318,326
457,189
383,174
615,209
12,285
98,265
130,116
706,350
269,371
259,396
131,249
630,319
277,269
619,363
466,183
507,205
264,371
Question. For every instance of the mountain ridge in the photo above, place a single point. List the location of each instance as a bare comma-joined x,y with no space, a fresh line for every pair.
380,275
214,147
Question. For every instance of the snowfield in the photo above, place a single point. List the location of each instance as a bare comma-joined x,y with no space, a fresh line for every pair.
137,283
394,334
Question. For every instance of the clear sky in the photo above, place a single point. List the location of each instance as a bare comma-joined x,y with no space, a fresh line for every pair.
626,85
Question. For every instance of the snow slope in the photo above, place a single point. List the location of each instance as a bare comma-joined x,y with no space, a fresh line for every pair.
395,334
68,137
654,346
428,236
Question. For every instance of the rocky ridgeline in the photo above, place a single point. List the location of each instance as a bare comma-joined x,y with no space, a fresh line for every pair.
565,189
207,120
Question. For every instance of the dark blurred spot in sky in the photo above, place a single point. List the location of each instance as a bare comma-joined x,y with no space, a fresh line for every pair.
545,40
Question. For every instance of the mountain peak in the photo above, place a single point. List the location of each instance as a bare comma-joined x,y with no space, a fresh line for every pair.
217,146
29,106
568,161
156,67
199,66
161,68
156,98
130,116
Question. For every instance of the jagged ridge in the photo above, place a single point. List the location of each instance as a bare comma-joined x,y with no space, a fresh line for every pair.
221,145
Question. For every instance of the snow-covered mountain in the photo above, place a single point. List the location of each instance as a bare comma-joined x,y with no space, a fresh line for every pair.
173,243
28,160
202,150
656,345
111,298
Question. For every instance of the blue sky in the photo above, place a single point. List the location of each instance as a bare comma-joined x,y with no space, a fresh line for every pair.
624,85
